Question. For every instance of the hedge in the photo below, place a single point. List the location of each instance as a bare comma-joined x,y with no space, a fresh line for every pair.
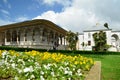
59,51
21,49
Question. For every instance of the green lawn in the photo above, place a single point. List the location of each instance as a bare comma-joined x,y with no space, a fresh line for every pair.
110,66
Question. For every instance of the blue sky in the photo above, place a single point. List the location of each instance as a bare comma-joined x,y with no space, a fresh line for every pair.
75,15
24,9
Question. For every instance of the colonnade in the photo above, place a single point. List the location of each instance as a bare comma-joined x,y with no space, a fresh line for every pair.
33,35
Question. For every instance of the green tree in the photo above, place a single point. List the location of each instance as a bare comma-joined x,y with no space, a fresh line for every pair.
106,25
72,39
84,45
100,40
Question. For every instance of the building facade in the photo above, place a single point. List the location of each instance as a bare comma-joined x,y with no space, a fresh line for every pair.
37,33
113,39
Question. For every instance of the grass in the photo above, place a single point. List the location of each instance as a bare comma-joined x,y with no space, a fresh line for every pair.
110,66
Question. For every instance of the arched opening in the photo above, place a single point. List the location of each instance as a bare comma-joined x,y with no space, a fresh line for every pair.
14,36
115,36
25,35
115,41
8,36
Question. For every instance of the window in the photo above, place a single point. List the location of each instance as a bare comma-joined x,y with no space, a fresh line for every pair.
89,43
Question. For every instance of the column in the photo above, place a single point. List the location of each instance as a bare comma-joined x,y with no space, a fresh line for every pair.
17,32
64,40
41,34
48,37
24,35
11,36
59,40
5,37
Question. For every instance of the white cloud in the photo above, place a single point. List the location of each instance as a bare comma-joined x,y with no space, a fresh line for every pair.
84,14
70,19
4,22
52,2
4,11
18,19
21,18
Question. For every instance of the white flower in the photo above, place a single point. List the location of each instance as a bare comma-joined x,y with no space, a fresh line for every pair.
28,69
70,73
66,72
69,79
4,54
21,60
42,78
32,76
41,72
13,65
73,69
16,78
46,66
52,73
49,65
31,68
66,63
36,63
61,68
19,71
79,73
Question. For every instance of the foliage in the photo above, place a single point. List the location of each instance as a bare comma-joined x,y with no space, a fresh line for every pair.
106,25
72,38
100,40
84,45
21,49
34,65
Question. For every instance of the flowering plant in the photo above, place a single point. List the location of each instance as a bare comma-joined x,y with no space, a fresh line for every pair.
35,65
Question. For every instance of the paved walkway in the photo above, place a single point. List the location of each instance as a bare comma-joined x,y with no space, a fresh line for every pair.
95,72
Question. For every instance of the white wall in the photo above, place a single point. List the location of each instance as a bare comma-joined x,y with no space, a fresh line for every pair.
108,36
88,36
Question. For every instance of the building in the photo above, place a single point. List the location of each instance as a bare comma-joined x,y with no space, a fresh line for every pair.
37,33
113,39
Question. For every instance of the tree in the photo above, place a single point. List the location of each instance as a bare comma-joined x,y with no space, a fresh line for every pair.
84,45
72,39
106,25
100,40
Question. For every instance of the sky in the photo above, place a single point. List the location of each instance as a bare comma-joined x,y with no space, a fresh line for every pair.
74,15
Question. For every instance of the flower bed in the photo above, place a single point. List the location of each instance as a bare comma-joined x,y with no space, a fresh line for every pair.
42,66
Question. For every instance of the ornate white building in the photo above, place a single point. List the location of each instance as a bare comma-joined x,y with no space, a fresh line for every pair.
113,39
37,33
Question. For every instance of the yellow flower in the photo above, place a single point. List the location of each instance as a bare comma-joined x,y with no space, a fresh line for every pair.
87,67
80,63
76,62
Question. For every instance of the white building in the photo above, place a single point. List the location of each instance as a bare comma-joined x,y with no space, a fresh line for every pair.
113,39
37,33
45,34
